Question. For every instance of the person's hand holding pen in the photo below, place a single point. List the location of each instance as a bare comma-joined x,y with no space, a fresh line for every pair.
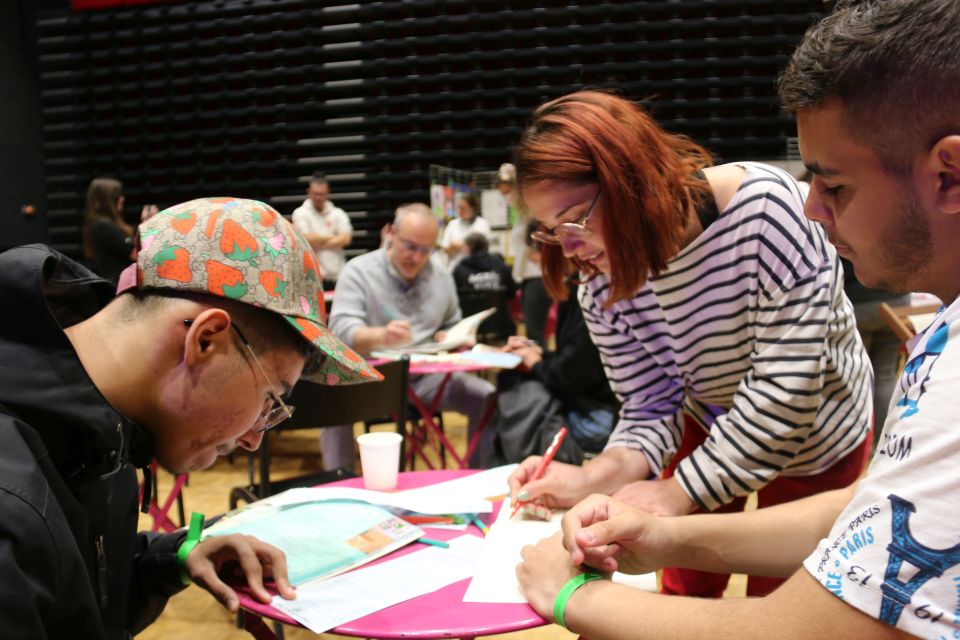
529,351
397,333
517,343
540,483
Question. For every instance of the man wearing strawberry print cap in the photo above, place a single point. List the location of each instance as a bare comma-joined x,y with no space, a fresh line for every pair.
189,359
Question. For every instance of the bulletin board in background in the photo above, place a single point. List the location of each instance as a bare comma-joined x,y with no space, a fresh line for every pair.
446,184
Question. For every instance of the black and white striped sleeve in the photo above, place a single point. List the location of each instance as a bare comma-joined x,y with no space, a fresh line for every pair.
776,402
651,412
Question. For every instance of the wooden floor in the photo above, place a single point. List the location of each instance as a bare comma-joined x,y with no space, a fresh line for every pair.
195,614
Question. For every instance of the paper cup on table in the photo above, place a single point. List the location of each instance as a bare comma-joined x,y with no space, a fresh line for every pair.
380,459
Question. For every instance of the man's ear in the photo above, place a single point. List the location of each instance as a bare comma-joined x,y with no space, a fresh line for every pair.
944,159
207,335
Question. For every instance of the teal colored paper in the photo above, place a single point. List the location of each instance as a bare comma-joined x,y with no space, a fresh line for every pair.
314,535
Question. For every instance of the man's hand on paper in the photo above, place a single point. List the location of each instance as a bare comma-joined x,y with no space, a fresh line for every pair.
242,555
562,485
659,497
546,567
609,536
397,333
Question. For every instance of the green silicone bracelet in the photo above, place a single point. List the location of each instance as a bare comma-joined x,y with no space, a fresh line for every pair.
572,585
193,537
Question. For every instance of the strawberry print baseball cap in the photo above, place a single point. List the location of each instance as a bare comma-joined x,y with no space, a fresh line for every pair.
243,250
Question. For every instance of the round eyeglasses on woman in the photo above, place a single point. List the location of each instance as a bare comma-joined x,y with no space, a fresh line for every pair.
568,234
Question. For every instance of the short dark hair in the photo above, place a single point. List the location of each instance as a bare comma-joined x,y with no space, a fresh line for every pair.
888,63
476,243
266,331
319,177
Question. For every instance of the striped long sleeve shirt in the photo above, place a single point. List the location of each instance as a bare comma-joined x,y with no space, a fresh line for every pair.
748,330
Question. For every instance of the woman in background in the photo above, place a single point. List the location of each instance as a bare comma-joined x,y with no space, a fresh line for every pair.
107,239
534,300
468,221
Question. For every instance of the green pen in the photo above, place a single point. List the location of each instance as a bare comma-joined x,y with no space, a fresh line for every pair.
389,311
480,525
434,543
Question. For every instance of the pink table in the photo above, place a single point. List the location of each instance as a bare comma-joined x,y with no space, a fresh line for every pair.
441,614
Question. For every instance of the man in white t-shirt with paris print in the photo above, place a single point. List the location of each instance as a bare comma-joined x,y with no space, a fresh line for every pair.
327,228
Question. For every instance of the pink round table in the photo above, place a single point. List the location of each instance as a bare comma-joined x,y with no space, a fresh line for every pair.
441,614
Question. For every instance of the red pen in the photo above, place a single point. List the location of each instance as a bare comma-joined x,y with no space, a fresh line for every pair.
544,461
428,520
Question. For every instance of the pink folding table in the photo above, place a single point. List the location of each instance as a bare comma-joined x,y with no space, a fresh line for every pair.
441,614
428,407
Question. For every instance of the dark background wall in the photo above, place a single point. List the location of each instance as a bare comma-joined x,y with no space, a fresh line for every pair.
248,97
21,162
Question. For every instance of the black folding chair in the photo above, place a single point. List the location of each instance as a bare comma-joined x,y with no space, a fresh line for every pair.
326,406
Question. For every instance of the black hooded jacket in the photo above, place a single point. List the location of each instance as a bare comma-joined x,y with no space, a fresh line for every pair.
71,561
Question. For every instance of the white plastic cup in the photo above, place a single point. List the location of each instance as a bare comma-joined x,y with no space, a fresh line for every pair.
380,459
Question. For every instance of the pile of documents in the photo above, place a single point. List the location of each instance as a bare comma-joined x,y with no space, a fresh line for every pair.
327,533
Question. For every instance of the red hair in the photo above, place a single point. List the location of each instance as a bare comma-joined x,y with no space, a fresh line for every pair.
645,174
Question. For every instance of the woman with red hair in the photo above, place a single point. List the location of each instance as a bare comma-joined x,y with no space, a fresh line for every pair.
719,314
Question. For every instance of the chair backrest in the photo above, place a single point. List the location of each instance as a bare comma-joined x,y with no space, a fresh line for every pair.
497,327
320,405
474,301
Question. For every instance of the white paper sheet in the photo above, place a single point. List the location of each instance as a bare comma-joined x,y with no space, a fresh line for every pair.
496,578
460,334
493,207
480,354
438,501
325,604
482,486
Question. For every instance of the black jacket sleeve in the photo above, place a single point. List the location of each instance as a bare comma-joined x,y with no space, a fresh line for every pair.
156,576
575,367
44,589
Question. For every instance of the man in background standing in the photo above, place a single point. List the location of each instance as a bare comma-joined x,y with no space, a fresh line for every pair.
327,228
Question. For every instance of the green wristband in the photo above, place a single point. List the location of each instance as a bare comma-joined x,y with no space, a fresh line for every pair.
193,537
572,585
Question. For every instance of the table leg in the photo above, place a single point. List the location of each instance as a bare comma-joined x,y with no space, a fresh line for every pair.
478,430
255,626
161,519
415,448
426,414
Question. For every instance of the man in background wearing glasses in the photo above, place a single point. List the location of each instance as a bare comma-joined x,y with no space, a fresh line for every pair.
219,317
394,297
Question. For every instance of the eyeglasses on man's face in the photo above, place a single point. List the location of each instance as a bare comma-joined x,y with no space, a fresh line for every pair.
568,233
413,247
277,410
